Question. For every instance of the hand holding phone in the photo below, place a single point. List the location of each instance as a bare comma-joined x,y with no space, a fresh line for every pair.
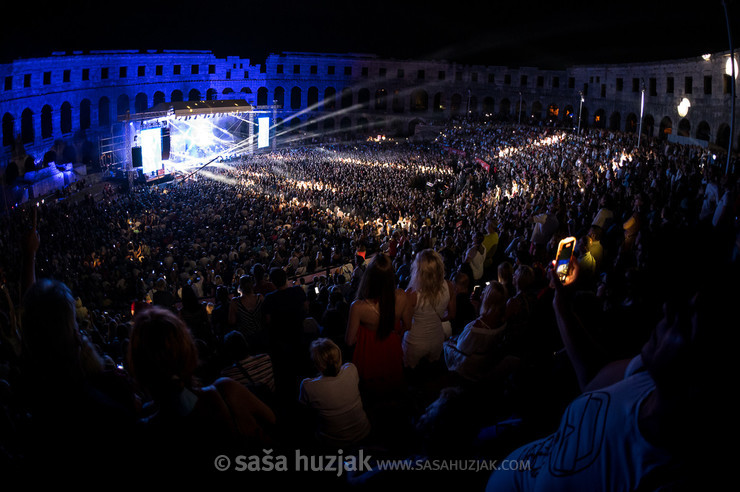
563,258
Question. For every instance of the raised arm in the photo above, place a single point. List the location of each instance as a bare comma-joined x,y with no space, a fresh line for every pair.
586,355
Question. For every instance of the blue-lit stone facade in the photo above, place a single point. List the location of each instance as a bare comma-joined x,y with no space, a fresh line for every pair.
68,102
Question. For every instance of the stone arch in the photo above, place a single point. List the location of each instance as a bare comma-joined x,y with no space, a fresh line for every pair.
666,127
330,98
363,98
295,98
158,98
489,106
194,95
279,96
47,129
703,131
141,103
419,102
630,124
103,111
537,111
600,119
553,111
569,114
65,118
648,125
456,104
438,103
247,92
723,136
381,100
262,94
346,98
294,125
176,96
615,121
397,105
27,132
472,105
85,111
413,124
363,125
123,105
396,127
329,125
8,129
228,90
313,125
312,97
521,109
504,107
684,128
211,94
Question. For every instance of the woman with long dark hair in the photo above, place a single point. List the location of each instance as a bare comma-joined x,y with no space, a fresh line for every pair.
375,328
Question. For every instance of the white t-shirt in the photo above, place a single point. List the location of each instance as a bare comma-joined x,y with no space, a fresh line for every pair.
598,445
339,405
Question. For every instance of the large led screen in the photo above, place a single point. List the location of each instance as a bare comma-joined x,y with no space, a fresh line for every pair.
151,150
263,132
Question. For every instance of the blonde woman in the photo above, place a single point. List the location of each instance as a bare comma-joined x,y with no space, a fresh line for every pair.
431,301
335,395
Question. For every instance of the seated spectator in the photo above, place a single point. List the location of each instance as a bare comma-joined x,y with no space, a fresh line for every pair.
334,394
246,366
476,352
632,414
185,424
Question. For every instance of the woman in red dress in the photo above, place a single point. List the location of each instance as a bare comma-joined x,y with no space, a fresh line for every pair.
375,328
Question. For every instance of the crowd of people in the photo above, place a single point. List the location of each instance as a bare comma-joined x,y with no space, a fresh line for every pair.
395,297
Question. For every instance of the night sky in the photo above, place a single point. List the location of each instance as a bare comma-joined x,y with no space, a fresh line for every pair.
554,34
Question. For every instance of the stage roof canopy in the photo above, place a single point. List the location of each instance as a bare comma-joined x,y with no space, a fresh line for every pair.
183,109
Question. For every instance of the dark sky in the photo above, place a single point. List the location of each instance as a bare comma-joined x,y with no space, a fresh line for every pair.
553,34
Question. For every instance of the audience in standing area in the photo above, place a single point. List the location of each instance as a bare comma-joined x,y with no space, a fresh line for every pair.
170,322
